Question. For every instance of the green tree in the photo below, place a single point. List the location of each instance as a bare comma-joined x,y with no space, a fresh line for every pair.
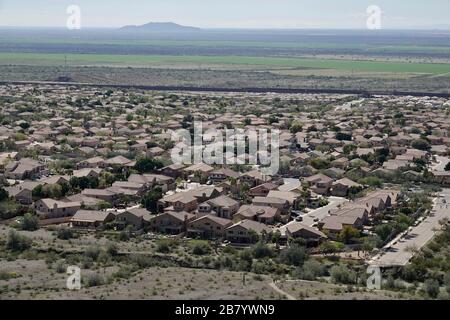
348,234
146,165
3,194
331,247
150,201
421,144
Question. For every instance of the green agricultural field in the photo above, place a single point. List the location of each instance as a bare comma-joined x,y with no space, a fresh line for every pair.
396,49
203,61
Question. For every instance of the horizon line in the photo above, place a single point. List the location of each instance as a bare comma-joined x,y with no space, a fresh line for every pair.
422,28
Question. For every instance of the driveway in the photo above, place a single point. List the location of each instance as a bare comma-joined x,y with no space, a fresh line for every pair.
440,165
321,213
399,252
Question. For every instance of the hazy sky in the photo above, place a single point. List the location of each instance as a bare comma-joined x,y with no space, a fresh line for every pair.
227,13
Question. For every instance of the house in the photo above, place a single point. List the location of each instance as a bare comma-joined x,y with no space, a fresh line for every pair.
151,181
120,161
155,151
220,175
311,235
101,194
262,190
209,227
87,173
95,162
442,178
186,199
25,168
320,183
136,217
198,172
263,214
333,225
246,231
253,178
139,188
224,206
281,204
21,194
173,171
171,222
340,188
50,208
293,198
186,202
91,219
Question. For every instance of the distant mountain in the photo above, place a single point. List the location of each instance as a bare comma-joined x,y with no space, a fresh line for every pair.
160,27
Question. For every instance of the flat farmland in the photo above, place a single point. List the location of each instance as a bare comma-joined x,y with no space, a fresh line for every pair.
51,59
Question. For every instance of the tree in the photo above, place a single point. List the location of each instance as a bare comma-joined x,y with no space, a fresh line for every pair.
29,222
150,201
384,231
331,247
146,165
348,234
349,148
421,144
3,194
343,136
296,127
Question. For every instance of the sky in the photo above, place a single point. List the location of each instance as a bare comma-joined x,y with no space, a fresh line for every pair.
327,14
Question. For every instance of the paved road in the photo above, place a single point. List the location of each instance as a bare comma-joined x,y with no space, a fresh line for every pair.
398,255
440,165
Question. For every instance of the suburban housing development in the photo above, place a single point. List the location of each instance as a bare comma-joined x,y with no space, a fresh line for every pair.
87,179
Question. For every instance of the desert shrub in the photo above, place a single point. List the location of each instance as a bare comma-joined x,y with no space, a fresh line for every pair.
65,234
261,250
431,287
293,255
92,252
200,248
17,242
341,274
94,280
310,270
29,222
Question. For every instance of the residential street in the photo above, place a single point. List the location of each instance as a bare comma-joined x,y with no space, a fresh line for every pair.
398,254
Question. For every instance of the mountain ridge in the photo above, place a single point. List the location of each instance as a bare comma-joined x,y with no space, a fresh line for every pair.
160,27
